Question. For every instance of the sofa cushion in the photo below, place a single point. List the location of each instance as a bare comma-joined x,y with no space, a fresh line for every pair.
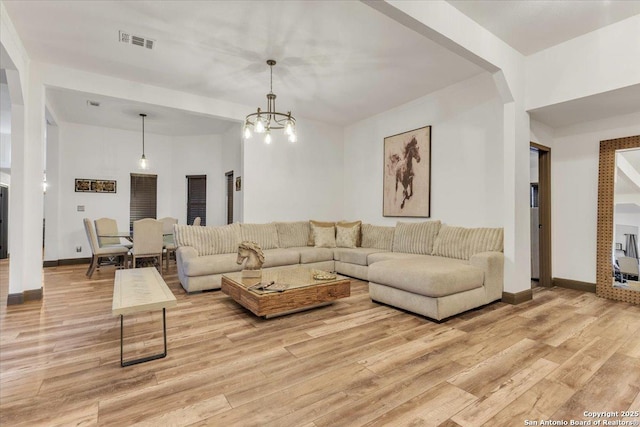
309,255
210,264
312,224
280,257
324,237
356,224
431,276
208,240
462,243
292,234
378,237
354,255
415,237
384,256
265,235
347,237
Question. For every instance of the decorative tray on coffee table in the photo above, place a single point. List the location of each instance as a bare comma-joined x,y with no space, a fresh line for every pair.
323,275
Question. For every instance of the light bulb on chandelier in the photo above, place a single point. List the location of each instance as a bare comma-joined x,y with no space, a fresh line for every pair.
265,121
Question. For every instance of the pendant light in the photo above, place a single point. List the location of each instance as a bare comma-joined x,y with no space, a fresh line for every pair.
143,163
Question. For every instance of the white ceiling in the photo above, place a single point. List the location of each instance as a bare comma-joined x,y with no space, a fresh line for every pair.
532,26
72,106
338,61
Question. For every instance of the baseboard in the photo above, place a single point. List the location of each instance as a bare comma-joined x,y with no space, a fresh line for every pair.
517,298
573,284
15,299
25,296
68,261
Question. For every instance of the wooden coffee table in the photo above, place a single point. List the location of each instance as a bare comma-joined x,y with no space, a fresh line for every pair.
136,290
302,291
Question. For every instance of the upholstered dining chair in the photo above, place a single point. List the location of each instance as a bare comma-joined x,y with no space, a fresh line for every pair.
197,221
100,254
629,267
168,238
108,226
147,241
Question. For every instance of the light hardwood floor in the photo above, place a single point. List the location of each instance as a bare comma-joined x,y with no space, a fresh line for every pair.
349,364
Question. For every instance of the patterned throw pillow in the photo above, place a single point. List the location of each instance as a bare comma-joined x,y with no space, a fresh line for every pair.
347,237
324,237
313,224
356,224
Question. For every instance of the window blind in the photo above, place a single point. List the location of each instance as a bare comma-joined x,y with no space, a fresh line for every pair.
197,198
143,200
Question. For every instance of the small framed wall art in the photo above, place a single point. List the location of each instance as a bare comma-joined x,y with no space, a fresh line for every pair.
407,174
95,185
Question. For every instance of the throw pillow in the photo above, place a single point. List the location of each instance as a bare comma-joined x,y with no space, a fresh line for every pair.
265,235
462,243
358,225
346,237
293,234
377,237
209,240
324,237
313,224
415,237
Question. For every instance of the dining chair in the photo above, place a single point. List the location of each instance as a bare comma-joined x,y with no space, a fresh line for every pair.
629,267
108,226
196,221
168,238
147,241
100,254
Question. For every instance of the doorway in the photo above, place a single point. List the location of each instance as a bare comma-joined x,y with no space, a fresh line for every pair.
540,198
229,180
4,223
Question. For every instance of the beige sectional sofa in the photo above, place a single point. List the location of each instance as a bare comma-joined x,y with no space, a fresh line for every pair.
427,268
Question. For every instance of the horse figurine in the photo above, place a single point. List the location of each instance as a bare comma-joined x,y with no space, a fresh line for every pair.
404,168
252,253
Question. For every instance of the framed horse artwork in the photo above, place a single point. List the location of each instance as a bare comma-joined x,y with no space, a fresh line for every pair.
407,174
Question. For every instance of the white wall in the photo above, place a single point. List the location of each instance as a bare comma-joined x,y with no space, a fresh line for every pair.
466,155
106,153
198,155
5,158
286,181
574,193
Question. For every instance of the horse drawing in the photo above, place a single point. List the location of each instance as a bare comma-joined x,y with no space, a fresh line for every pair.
252,253
404,168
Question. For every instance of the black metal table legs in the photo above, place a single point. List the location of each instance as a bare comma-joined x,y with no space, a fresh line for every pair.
147,358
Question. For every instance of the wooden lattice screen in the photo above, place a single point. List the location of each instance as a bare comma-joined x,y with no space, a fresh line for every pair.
606,189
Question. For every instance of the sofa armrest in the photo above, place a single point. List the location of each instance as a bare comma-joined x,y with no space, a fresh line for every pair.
186,253
492,263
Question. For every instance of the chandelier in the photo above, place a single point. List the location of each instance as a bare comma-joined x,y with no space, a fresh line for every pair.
265,121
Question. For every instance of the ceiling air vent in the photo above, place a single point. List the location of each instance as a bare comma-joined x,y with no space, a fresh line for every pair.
129,38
